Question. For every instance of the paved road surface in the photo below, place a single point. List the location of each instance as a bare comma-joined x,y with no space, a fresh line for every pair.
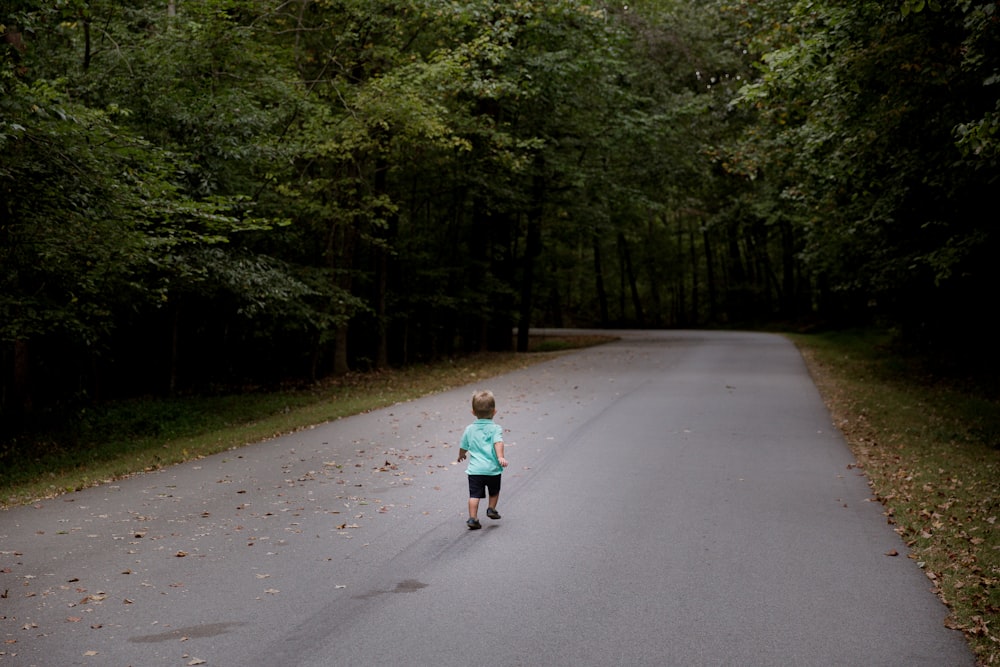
675,498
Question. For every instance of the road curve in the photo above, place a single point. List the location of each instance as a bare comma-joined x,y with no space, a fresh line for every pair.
674,498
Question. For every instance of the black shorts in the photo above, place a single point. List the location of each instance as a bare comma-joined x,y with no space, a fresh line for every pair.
479,483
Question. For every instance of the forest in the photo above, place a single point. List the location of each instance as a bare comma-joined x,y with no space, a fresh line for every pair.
202,195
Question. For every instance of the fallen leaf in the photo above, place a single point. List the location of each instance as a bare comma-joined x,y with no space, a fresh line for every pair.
90,653
197,661
73,619
892,552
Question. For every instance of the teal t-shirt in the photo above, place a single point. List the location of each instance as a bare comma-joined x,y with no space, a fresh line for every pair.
478,440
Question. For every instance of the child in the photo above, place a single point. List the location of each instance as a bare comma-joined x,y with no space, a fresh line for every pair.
482,442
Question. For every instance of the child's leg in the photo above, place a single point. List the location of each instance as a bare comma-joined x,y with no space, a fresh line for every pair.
473,508
494,489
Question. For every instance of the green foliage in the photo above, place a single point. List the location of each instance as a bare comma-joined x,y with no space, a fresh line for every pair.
860,105
979,134
73,192
259,190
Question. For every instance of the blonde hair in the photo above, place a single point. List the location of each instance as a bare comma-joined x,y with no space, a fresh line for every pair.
483,404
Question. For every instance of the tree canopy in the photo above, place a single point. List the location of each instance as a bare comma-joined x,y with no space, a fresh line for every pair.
220,193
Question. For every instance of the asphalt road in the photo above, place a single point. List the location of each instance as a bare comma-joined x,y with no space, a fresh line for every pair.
674,498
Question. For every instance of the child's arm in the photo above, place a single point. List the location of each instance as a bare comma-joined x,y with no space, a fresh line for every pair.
461,455
498,446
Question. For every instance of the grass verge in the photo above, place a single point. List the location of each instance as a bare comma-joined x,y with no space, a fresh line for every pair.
931,450
109,442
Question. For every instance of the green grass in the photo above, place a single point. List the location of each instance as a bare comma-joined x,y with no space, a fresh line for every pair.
931,449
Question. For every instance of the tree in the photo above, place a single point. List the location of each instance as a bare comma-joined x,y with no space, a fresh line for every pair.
892,211
99,222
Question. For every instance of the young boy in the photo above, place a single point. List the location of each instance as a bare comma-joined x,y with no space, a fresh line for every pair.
482,442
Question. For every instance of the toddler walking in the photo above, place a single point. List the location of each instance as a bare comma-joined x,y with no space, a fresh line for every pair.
482,444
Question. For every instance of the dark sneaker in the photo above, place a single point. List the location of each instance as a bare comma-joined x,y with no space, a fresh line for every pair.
492,513
473,524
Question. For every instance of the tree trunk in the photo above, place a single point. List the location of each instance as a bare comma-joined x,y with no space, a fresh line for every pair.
532,250
175,335
341,366
695,283
382,262
602,295
766,278
478,326
381,310
736,273
22,378
653,270
682,313
633,286
789,302
86,44
710,276
621,287
340,245
533,247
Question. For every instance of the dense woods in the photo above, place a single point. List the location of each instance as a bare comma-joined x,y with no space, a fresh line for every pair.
218,193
